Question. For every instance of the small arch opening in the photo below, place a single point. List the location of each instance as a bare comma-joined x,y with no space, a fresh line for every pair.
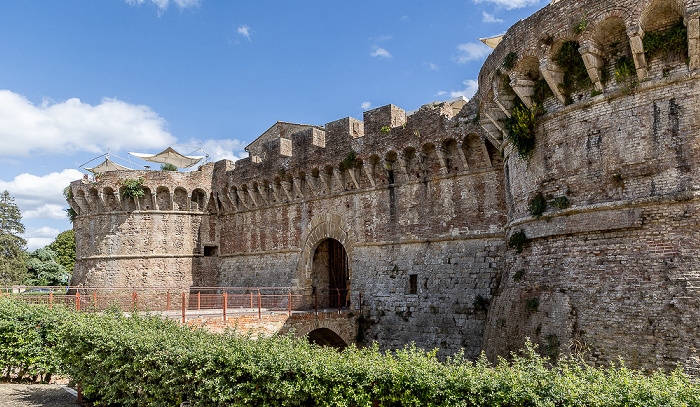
326,337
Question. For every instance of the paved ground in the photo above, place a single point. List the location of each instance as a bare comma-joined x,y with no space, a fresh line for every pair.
35,395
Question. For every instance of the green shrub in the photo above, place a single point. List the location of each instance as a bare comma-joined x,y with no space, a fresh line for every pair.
673,40
141,360
575,74
385,130
517,241
625,73
537,205
168,167
350,160
521,129
561,202
133,188
532,304
71,214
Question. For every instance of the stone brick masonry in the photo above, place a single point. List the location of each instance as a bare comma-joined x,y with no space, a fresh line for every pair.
424,204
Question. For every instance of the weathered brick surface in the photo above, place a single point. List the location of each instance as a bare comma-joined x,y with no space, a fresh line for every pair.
435,196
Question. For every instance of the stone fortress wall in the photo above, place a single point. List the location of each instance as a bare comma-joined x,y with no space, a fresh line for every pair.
424,205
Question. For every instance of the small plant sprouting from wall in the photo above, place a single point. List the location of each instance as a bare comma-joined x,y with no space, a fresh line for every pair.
625,73
349,161
168,167
480,303
510,60
532,304
521,129
517,241
575,74
507,88
580,26
537,205
541,92
133,188
71,214
385,130
518,275
669,42
561,202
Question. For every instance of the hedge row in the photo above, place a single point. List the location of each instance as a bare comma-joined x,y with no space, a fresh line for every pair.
141,360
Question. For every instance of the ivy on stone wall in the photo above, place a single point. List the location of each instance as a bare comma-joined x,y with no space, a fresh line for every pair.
133,188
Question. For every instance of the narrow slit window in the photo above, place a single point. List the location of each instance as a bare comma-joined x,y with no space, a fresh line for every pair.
413,283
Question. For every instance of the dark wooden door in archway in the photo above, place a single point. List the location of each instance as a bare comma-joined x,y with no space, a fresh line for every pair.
338,274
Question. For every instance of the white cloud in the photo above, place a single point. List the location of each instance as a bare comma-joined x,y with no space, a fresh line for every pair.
471,51
163,5
244,30
404,18
74,126
41,197
366,105
441,93
510,4
490,18
471,87
433,67
39,237
224,149
380,52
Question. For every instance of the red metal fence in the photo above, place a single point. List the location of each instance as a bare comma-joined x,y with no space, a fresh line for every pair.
190,302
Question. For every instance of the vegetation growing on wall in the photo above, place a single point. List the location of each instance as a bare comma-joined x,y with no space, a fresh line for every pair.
145,360
133,188
510,60
349,161
168,167
521,129
537,205
575,74
517,241
672,41
541,92
561,202
625,73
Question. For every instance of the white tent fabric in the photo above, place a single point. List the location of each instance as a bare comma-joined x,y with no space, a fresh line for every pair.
170,156
107,165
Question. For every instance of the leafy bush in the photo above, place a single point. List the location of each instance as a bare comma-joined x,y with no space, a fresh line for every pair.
143,360
168,167
517,241
71,214
350,160
625,73
561,202
521,129
673,40
537,205
385,130
575,74
133,188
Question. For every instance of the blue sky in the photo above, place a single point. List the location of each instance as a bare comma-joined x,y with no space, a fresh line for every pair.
81,76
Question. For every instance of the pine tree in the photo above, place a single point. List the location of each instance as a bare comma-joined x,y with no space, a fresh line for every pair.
13,256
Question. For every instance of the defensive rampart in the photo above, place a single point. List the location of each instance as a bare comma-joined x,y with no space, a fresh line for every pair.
579,151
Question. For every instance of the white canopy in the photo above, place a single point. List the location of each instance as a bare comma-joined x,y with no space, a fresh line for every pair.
107,165
170,156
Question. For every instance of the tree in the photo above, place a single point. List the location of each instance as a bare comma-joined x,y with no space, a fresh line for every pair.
64,247
12,247
44,270
168,167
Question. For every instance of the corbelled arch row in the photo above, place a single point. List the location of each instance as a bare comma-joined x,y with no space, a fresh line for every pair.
442,156
89,200
606,36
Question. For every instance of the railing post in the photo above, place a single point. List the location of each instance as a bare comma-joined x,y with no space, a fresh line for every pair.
251,299
338,289
360,302
94,300
289,311
225,304
259,306
51,300
167,302
133,300
198,300
77,300
183,307
316,302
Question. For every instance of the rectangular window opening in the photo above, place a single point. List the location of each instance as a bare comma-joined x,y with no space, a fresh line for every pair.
210,251
413,283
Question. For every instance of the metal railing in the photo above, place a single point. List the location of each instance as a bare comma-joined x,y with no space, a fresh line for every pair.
191,302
